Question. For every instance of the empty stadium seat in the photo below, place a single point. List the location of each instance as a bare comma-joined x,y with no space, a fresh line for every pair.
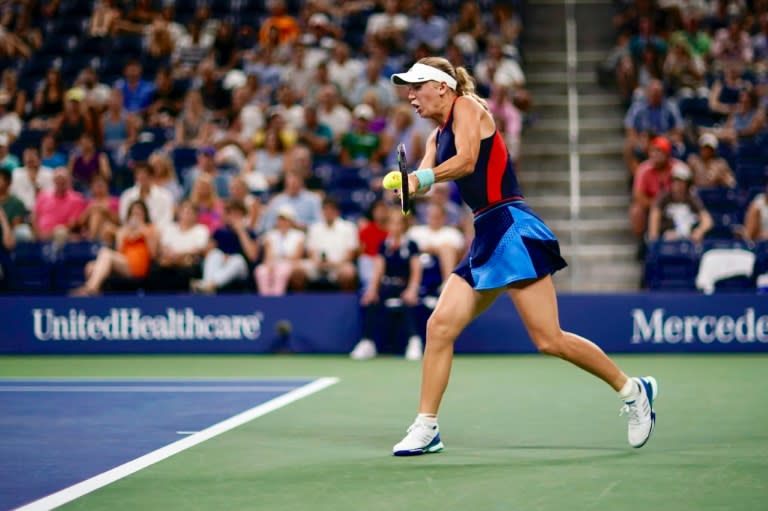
726,206
184,158
31,268
69,268
671,265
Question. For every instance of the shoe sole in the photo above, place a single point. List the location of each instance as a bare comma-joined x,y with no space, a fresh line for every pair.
651,387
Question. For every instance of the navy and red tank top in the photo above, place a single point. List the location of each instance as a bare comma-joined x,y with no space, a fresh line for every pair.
493,180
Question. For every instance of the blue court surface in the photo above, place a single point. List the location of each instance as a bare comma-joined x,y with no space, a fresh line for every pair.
56,433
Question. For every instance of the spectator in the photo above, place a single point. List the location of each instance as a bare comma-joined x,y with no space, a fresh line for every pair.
317,136
99,220
331,248
649,117
31,179
137,19
215,98
342,69
158,200
48,102
95,93
301,160
285,26
72,123
709,169
360,146
469,29
760,43
684,70
193,126
103,18
287,106
284,247
428,28
232,249
388,28
395,283
373,80
159,42
440,194
239,192
265,166
137,92
118,130
13,208
746,122
372,233
10,123
332,112
137,246
306,205
206,165
653,177
206,199
88,162
165,174
679,213
56,211
756,219
167,100
225,52
17,97
699,41
732,44
181,248
439,239
8,160
724,95
505,22
50,156
499,68
503,108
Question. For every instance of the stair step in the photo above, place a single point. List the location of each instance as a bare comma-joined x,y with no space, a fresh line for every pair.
535,149
605,99
549,77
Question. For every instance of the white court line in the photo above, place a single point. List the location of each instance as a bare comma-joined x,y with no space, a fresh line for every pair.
94,483
145,388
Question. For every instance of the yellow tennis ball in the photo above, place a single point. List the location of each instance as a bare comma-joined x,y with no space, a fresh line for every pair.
392,180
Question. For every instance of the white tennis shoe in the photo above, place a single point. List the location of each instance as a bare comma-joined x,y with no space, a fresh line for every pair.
422,438
640,412
414,350
364,350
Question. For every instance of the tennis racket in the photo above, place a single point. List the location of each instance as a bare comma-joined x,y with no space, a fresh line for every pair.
405,192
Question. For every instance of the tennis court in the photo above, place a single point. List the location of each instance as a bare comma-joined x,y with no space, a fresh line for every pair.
521,433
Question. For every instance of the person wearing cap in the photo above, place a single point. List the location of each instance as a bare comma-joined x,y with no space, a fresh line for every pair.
513,252
709,169
284,246
72,122
360,145
678,213
653,177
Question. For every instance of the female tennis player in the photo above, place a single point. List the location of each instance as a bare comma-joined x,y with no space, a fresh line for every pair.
513,252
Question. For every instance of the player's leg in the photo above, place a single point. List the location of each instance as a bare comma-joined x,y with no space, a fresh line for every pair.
536,302
457,306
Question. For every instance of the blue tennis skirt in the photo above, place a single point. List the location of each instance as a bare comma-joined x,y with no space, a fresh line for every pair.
511,244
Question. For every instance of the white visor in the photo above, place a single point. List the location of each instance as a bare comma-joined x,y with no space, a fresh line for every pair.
420,73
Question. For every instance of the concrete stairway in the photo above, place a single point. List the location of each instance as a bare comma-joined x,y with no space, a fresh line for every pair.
597,242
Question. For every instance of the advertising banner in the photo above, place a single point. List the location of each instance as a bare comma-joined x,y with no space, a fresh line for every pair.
331,323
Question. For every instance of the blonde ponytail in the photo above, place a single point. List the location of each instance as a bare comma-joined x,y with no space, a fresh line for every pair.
465,84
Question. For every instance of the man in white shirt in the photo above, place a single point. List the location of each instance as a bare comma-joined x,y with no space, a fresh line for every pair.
332,113
332,245
159,200
30,179
388,27
342,69
438,239
10,124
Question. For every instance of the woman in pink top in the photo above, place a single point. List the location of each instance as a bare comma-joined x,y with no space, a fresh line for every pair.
57,209
100,218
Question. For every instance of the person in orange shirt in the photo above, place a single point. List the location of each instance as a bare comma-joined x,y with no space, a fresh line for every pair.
137,244
286,25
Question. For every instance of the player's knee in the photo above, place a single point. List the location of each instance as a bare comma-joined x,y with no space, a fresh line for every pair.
551,344
440,327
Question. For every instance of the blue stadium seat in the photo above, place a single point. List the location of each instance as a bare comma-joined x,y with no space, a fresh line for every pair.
69,268
141,151
184,158
128,45
31,268
726,206
672,265
353,203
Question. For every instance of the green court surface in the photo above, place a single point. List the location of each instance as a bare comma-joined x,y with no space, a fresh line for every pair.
521,433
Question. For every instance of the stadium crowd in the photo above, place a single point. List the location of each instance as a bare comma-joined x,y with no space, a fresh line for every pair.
210,145
694,78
